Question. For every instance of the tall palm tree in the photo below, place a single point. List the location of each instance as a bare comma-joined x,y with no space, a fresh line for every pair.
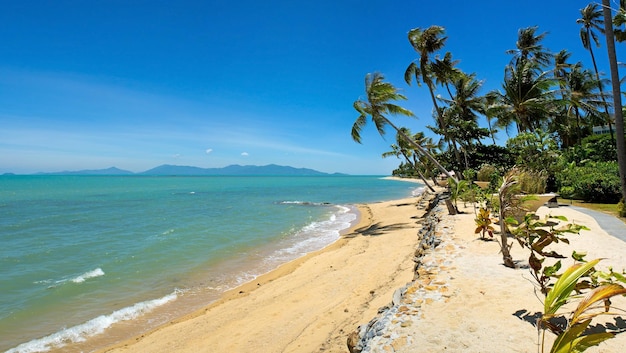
591,22
490,111
427,42
529,48
617,99
379,95
582,99
527,97
463,109
444,71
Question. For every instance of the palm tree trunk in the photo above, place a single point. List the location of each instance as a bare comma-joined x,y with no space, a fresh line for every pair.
606,106
617,97
408,160
422,150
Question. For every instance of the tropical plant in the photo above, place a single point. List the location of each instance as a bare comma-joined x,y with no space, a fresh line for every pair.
591,181
457,188
426,42
591,21
536,235
506,203
402,148
484,223
535,151
575,337
379,95
620,141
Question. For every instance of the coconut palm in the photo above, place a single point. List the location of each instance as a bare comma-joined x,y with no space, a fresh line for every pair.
529,48
617,99
490,111
591,22
444,71
379,95
402,148
527,97
582,99
426,42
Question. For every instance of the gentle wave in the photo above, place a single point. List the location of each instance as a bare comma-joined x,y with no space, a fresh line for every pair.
87,275
98,272
316,235
305,203
93,327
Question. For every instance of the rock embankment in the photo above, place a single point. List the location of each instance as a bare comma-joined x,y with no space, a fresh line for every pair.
384,333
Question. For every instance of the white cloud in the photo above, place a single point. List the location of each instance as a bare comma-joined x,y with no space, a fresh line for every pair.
245,154
208,150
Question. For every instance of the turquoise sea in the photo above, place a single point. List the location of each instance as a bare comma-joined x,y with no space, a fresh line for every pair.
88,260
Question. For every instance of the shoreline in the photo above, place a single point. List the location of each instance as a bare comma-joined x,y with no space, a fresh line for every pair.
308,271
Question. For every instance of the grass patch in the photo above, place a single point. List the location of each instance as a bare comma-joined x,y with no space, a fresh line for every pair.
607,208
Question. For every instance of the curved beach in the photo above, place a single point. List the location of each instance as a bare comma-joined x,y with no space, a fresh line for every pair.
464,299
309,304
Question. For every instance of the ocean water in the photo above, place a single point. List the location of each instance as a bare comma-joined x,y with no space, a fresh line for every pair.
88,260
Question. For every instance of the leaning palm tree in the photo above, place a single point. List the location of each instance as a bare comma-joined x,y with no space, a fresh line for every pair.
379,95
591,22
400,149
427,42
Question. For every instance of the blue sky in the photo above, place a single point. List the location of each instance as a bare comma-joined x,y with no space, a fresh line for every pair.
136,84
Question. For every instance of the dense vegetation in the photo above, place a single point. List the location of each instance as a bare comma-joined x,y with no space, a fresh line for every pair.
548,102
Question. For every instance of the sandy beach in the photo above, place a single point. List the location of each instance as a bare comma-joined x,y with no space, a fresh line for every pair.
307,305
464,300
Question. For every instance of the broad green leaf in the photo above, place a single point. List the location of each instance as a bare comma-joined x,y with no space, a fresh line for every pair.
560,292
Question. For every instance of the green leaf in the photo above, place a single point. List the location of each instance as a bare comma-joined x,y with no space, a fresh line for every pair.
579,256
549,271
560,292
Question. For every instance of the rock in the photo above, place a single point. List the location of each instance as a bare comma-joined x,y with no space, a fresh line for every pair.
353,340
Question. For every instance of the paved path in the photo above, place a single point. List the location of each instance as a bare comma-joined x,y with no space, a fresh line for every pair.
608,223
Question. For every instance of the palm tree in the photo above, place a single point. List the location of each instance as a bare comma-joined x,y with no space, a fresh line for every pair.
444,71
581,97
402,148
592,20
617,99
425,43
462,112
379,95
529,48
527,97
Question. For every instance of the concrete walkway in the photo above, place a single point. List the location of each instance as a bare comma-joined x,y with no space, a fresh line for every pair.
608,223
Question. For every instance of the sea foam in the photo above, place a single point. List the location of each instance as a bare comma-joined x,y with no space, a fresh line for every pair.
92,327
87,275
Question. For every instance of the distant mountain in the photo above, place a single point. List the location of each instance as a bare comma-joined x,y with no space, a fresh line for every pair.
108,171
271,169
171,170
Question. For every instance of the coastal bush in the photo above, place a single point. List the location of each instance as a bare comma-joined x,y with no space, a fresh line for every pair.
593,182
486,172
533,182
596,148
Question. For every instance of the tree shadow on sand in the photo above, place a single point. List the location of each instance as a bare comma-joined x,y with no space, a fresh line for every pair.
616,327
378,229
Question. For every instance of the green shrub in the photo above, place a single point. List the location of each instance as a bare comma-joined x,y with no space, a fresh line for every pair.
532,182
593,182
486,172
